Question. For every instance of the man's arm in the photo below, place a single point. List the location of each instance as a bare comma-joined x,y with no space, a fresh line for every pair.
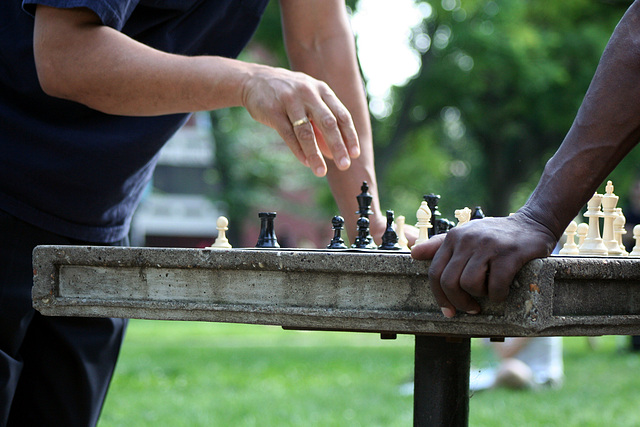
79,59
482,257
320,42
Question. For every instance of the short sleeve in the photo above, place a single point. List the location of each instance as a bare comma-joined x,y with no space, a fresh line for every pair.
113,13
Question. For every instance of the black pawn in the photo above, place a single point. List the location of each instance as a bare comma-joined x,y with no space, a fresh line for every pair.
362,241
432,201
477,213
338,225
390,237
267,237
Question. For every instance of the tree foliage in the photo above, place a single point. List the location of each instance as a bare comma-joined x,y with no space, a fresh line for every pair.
498,89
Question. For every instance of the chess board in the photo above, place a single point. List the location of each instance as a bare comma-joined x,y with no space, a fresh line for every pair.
349,290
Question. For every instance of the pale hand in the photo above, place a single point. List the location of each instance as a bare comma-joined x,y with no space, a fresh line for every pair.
278,98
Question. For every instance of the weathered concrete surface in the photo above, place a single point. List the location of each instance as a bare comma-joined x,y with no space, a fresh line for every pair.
337,290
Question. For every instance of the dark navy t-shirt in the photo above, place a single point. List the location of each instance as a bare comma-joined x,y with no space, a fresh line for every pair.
73,170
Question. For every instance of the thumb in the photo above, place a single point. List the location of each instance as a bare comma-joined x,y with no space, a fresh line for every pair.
428,249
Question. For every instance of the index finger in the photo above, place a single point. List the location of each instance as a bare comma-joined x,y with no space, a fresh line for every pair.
435,273
428,249
345,123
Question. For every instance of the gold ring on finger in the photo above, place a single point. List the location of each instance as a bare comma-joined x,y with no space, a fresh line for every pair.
300,122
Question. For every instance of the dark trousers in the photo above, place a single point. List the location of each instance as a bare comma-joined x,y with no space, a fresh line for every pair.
54,371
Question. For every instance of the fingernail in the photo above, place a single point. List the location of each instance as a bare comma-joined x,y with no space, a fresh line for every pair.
354,151
473,311
320,171
344,162
448,312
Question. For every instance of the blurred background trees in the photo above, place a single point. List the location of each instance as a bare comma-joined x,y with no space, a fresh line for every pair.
497,87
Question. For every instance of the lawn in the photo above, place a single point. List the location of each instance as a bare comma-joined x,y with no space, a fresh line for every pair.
202,374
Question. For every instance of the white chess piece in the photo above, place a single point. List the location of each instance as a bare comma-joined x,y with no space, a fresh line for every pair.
609,202
570,247
462,215
618,231
222,225
424,222
593,244
583,230
402,238
636,235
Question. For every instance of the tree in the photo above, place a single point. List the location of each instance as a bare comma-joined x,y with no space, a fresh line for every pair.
499,86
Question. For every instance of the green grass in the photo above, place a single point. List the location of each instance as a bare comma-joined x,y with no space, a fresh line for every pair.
202,374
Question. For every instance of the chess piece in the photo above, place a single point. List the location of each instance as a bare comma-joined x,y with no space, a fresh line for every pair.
364,201
593,244
570,247
364,206
443,225
636,235
583,230
402,238
267,237
338,225
462,215
424,222
618,231
362,240
432,201
609,201
390,238
477,213
222,224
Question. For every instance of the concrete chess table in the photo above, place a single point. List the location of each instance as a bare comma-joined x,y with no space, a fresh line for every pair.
344,290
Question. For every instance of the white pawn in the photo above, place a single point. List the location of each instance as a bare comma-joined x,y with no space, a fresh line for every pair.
222,224
402,238
593,244
424,222
462,215
618,231
636,235
570,247
583,230
609,202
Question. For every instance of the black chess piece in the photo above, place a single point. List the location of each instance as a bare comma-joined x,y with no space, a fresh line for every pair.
432,201
443,225
364,201
477,213
267,237
338,225
364,206
362,240
390,237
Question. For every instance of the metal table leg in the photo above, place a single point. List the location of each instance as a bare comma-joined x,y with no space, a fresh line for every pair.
441,381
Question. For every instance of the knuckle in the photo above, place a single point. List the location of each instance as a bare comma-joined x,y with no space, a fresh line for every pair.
448,284
314,158
473,287
329,122
434,273
304,132
288,135
343,116
325,89
305,90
